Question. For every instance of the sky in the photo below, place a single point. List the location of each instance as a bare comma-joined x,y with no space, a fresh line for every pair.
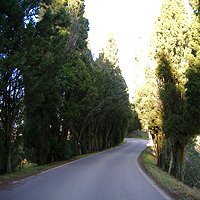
131,22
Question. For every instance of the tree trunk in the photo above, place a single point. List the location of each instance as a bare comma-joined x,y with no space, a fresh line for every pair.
177,159
166,154
8,147
163,152
9,159
159,150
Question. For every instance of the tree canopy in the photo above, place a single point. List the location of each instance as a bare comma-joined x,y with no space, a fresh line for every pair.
55,100
166,104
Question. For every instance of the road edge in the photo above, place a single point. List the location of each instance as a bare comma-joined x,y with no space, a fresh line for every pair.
150,179
68,163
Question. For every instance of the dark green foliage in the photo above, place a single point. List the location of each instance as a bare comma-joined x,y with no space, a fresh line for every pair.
107,122
173,108
171,55
168,104
46,61
134,122
13,29
174,119
171,127
71,106
192,165
55,101
193,73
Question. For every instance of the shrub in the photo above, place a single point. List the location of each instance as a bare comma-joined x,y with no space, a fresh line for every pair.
192,165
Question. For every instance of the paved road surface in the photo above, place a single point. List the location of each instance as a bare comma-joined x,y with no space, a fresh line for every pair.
111,175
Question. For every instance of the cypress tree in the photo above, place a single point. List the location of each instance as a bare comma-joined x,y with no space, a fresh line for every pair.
171,50
116,105
15,22
193,72
60,76
46,57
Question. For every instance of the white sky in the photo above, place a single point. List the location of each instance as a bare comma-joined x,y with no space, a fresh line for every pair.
131,22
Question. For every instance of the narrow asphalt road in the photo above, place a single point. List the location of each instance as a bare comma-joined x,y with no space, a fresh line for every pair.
111,175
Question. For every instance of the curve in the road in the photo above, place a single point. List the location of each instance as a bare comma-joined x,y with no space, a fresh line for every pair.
109,175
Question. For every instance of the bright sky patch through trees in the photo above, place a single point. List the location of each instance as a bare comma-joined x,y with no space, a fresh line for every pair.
131,22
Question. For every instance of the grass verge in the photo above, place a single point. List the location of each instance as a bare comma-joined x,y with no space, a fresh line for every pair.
172,186
26,171
33,169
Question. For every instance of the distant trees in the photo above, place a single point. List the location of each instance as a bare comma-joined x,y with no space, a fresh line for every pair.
111,112
55,101
134,122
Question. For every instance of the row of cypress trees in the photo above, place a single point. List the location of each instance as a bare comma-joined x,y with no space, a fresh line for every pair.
55,101
172,91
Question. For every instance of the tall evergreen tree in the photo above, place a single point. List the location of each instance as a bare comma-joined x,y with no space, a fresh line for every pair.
49,85
111,52
45,61
78,89
114,94
134,122
193,73
149,108
171,51
61,77
15,21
